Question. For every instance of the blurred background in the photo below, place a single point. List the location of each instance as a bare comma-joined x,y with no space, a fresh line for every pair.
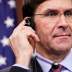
11,14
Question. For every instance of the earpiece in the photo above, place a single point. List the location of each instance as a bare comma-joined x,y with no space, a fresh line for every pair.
30,22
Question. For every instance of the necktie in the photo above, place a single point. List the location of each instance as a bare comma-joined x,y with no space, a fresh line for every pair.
55,68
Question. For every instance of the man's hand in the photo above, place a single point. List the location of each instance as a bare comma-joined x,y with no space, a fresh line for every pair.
22,42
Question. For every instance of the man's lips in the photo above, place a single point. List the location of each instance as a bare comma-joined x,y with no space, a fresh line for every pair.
62,35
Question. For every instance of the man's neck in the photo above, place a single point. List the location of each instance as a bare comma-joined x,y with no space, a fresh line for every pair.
54,56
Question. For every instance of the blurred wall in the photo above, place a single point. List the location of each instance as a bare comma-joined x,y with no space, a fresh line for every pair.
19,4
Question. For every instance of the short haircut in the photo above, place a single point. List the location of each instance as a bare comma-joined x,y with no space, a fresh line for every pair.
30,6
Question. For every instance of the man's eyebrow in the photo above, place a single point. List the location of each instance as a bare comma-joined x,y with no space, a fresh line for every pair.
57,10
48,10
69,9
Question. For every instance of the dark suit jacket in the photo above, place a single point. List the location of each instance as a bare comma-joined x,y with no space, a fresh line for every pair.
35,67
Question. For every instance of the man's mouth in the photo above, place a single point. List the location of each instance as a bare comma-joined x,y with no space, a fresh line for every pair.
62,35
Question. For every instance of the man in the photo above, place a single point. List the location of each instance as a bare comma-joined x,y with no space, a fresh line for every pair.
50,40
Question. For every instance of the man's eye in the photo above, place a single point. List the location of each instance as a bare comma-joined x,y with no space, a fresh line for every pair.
51,13
68,13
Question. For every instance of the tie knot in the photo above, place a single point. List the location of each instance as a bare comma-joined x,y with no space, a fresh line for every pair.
56,67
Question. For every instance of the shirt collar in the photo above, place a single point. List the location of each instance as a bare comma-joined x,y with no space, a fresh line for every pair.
46,64
67,62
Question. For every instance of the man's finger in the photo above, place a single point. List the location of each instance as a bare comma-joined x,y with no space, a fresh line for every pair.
22,23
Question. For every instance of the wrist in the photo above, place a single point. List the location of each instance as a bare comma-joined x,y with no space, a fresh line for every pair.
23,61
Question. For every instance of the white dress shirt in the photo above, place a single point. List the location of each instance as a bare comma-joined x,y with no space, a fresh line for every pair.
46,64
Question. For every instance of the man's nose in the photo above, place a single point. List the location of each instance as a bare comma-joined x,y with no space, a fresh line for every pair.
62,23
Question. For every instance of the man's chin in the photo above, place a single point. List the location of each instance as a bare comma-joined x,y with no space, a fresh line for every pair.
62,44
63,47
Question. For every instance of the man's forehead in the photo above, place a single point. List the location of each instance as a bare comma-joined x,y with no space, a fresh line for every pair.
55,4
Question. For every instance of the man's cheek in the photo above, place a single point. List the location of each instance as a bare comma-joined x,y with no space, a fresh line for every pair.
70,27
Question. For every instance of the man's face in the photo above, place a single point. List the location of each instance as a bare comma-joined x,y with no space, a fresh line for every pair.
54,24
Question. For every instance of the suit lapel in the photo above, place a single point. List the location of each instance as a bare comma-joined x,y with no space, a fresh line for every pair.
35,65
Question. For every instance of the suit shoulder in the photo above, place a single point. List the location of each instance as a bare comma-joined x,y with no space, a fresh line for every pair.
6,69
